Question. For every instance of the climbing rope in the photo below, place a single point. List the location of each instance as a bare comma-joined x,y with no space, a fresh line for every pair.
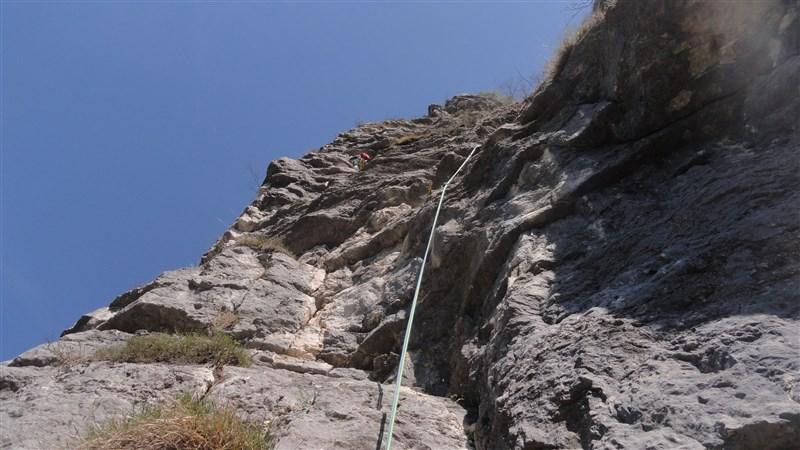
401,364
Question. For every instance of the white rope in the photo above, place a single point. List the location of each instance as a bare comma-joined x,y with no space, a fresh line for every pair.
401,364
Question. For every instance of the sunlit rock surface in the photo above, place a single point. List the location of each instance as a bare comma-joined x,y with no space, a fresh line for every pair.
618,267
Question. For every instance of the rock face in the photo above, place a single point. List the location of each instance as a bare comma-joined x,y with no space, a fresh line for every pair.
617,268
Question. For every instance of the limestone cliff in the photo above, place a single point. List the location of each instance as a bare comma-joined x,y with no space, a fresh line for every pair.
617,267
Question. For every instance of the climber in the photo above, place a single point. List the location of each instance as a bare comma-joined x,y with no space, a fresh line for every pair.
360,162
364,158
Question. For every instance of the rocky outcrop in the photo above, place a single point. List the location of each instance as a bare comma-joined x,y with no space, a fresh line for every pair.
302,410
618,267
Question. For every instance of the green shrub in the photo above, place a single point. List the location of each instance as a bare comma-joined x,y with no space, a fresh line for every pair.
219,349
180,424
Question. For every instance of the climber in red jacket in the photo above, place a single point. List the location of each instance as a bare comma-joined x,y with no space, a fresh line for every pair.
360,161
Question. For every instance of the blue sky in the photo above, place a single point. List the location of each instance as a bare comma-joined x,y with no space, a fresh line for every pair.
133,133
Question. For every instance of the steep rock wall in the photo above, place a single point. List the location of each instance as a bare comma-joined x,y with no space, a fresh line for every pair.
618,268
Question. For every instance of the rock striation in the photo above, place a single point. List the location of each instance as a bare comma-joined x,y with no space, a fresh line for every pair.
618,268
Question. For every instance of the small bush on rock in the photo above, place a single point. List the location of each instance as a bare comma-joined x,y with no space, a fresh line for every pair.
224,320
219,349
183,423
503,99
409,138
264,243
68,357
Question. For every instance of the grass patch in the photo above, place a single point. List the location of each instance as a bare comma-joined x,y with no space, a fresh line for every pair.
182,423
503,99
224,320
565,47
262,242
68,357
219,349
409,138
469,119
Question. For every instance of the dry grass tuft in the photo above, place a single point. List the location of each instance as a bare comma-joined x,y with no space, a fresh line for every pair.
469,119
409,138
68,357
264,243
218,349
503,99
181,424
564,50
224,320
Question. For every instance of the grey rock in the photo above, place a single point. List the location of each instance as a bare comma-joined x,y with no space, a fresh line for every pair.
310,411
90,320
618,266
471,102
315,411
68,400
70,349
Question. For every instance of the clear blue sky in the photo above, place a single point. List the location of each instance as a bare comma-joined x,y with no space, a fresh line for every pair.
130,129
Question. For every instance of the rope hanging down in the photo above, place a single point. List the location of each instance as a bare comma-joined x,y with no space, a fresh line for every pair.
401,364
